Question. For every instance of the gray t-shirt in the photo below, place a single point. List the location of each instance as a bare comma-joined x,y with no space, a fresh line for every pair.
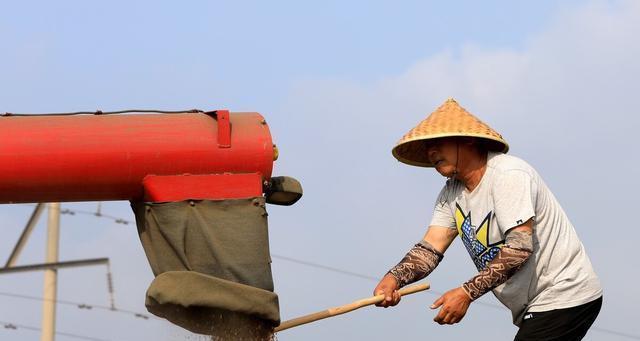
558,273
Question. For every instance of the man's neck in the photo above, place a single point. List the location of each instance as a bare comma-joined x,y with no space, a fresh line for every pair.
472,173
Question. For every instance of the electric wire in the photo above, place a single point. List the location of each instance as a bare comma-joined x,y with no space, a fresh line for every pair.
14,326
100,112
118,220
80,305
432,292
98,213
615,332
367,277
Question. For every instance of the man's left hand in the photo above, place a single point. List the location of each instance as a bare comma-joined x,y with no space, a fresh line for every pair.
454,306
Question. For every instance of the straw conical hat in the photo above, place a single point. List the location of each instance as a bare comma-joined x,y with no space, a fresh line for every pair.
450,119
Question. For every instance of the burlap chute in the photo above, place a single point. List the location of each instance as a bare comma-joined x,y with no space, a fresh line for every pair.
209,256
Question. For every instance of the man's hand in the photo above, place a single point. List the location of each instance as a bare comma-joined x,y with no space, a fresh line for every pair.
389,287
454,306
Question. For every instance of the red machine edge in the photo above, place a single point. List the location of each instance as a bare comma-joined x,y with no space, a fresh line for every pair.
214,187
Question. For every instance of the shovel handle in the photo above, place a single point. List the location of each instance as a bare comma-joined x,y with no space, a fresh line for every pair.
346,308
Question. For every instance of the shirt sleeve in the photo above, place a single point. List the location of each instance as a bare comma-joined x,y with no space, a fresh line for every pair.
513,199
442,214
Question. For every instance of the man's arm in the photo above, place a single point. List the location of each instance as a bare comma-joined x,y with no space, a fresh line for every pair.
513,254
416,264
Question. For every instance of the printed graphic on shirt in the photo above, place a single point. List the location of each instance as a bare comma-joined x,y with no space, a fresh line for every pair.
477,240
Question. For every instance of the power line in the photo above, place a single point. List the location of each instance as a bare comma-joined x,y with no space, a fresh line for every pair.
97,214
433,292
79,305
367,277
614,332
118,220
13,326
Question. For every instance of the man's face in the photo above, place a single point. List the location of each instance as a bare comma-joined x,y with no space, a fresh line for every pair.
443,153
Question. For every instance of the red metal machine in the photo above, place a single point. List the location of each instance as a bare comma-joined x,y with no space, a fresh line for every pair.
196,181
115,157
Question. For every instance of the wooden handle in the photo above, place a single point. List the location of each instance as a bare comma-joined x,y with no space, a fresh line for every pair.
346,308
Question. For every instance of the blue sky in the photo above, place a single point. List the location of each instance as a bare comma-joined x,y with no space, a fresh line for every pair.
339,84
237,53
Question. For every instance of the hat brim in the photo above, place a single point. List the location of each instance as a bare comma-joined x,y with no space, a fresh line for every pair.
414,151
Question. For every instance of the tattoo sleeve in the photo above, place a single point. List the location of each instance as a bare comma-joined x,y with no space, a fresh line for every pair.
513,254
416,264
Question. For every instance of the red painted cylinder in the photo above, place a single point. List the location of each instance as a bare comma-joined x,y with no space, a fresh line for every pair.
105,157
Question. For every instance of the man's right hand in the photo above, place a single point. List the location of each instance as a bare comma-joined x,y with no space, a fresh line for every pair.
389,287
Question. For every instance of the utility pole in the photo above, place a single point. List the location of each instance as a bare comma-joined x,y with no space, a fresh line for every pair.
50,266
51,275
25,235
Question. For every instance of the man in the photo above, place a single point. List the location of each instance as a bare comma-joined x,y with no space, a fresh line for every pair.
522,243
